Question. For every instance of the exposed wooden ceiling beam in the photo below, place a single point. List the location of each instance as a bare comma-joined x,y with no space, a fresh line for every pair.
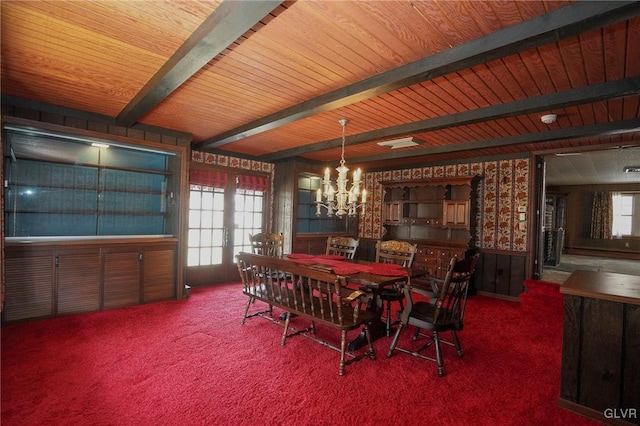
225,25
562,23
610,128
583,95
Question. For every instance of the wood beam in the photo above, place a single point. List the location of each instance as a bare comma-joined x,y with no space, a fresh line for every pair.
594,93
548,28
609,128
225,25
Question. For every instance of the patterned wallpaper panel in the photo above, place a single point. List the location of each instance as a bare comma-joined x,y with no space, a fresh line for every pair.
503,188
233,162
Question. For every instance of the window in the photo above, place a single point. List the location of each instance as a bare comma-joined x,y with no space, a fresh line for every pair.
623,213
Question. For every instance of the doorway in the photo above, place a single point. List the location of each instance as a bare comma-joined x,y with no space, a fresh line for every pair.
565,184
224,209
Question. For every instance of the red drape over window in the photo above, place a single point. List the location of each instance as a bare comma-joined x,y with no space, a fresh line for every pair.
208,178
255,183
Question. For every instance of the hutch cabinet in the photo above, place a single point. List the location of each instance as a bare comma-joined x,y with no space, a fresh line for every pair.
435,213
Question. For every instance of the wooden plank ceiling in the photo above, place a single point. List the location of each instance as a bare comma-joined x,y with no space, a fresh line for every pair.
270,80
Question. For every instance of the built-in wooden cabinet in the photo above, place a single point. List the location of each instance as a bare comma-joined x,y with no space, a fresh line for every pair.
78,277
435,213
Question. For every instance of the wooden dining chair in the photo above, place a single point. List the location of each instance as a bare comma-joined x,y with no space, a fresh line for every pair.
267,243
446,314
400,253
342,246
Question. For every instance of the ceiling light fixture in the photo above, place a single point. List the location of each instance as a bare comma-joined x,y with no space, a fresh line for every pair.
548,118
401,143
632,169
340,200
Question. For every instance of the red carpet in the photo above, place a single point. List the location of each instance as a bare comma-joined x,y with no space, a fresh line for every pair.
192,363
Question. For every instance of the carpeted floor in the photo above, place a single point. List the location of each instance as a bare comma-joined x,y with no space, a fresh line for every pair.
192,363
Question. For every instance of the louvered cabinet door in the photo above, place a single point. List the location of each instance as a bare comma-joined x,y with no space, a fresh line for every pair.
78,279
121,277
29,286
158,274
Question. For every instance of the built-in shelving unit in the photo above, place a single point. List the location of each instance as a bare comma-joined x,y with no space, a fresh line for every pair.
90,223
435,213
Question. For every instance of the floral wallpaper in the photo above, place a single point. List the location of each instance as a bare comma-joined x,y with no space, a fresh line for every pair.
504,186
233,162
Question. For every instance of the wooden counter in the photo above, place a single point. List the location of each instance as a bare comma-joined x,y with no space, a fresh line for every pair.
604,286
600,375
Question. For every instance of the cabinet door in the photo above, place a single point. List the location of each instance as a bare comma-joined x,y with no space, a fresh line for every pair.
78,279
158,272
393,212
121,278
29,287
456,213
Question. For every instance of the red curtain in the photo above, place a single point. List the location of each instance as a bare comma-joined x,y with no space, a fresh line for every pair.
255,183
208,178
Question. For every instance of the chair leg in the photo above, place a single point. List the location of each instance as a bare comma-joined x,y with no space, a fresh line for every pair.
367,334
436,340
388,321
394,342
343,349
456,342
246,309
286,329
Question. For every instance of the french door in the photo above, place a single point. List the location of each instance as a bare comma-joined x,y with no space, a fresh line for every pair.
224,209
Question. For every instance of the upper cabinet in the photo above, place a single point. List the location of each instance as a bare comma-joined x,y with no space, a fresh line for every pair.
430,211
59,186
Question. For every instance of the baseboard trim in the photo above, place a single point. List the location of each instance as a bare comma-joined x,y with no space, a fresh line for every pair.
593,414
498,296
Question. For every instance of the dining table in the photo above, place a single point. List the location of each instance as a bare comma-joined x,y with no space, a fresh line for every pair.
369,276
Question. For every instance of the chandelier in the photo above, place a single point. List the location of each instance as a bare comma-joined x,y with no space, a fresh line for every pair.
339,200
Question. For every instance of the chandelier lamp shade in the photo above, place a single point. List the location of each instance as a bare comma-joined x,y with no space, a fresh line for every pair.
338,200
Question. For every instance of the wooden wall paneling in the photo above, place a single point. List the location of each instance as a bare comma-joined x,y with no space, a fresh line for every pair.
517,274
121,277
29,286
631,351
284,183
502,274
602,351
366,249
478,276
78,281
158,274
489,262
570,374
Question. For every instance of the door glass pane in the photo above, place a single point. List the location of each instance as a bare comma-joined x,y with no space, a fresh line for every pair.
206,226
248,218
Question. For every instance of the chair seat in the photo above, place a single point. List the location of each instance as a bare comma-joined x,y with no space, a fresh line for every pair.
422,315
